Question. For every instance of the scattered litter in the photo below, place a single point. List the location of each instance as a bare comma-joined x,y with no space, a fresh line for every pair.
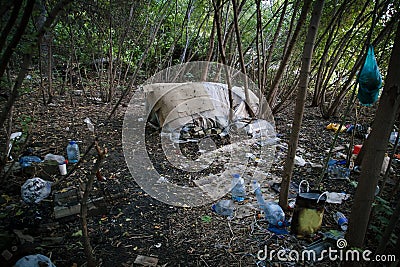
273,212
385,164
341,220
27,161
393,136
89,124
361,131
13,137
7,255
337,172
162,180
146,260
34,261
22,237
336,198
292,189
224,207
357,149
60,159
35,190
335,127
299,161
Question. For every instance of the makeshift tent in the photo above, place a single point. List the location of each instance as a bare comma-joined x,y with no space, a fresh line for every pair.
173,105
369,79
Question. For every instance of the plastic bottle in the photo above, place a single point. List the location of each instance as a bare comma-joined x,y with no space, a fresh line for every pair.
238,190
224,207
393,136
341,220
257,191
273,212
73,152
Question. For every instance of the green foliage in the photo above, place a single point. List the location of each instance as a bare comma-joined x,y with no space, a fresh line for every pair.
25,122
382,213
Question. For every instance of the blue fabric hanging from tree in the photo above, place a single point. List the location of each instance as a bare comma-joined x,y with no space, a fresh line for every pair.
369,79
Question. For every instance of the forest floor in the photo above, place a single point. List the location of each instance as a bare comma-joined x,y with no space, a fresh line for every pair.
128,222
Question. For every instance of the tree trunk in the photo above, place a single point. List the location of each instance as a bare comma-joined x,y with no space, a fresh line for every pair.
378,141
6,56
274,41
91,261
218,5
300,101
273,93
27,59
240,50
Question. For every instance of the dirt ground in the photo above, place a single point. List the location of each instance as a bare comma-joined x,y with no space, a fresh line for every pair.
128,222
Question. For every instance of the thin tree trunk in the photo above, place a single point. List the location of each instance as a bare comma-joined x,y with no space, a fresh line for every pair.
274,40
10,22
217,9
27,60
210,51
48,40
240,51
371,165
91,261
300,101
6,56
273,93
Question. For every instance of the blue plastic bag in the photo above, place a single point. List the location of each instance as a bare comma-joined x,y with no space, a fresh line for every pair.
369,79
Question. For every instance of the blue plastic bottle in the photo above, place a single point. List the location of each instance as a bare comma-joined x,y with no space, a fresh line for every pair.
238,189
273,212
73,152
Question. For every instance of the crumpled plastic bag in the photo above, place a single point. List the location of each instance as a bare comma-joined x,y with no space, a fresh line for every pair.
34,261
35,190
369,79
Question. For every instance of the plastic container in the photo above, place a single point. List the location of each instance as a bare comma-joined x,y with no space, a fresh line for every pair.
238,190
73,152
341,220
257,191
273,212
308,212
393,136
224,207
357,149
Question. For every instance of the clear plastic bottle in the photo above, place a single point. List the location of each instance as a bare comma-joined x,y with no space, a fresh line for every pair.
224,207
238,189
341,220
73,152
273,212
